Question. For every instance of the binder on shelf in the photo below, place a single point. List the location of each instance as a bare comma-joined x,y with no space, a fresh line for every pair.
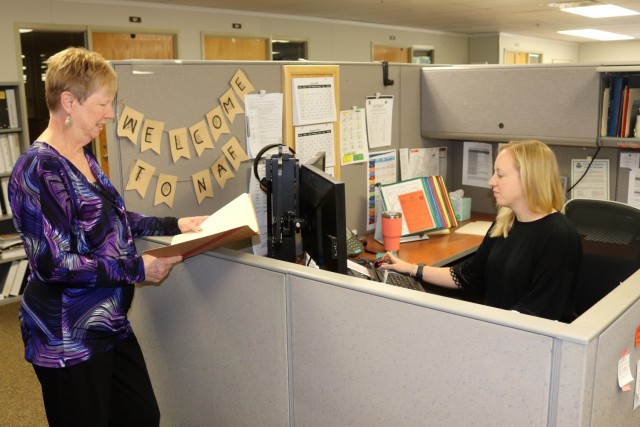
5,154
4,186
8,281
12,108
4,110
424,203
14,147
616,94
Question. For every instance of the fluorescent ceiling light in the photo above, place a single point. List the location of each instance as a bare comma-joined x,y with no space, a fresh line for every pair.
600,11
596,34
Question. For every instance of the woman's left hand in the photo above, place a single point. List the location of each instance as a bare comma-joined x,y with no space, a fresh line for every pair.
191,223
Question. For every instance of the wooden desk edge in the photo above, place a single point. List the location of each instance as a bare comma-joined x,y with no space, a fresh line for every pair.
438,250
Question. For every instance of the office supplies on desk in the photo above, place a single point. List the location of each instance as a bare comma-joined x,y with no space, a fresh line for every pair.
370,272
354,245
477,228
391,230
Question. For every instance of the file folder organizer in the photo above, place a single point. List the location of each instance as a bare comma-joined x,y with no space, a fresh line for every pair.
424,203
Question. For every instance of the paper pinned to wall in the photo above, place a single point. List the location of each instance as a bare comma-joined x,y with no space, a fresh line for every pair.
477,164
418,162
379,112
590,179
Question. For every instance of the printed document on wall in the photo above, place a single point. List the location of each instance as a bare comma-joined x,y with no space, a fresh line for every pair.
313,101
381,170
477,164
312,139
263,121
418,162
353,137
633,195
379,111
593,180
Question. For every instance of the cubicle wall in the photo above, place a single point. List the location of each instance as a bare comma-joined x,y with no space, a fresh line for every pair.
235,339
180,93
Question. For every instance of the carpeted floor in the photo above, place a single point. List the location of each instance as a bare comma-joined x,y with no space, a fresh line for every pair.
20,396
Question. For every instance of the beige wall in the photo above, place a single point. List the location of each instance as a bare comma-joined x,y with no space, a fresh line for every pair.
326,38
621,51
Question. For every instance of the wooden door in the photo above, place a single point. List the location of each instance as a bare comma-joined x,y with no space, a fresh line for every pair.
236,48
118,46
392,54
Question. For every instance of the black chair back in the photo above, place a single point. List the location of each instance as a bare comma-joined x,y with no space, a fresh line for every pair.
610,235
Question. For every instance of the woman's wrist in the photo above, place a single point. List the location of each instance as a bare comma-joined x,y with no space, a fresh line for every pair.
418,272
413,270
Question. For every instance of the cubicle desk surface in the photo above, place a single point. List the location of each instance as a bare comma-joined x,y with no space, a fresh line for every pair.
439,249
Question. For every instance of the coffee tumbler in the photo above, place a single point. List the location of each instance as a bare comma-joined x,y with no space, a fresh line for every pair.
391,230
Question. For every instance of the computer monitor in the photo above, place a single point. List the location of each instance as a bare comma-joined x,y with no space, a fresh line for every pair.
319,160
322,209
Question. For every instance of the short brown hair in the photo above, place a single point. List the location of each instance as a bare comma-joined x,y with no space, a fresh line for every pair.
78,71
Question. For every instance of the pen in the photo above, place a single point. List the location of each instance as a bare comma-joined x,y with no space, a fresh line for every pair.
386,275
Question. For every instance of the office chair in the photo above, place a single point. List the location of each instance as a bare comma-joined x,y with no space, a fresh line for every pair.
610,235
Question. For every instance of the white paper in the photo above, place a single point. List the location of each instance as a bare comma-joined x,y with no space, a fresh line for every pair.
630,160
624,370
312,139
313,100
633,191
477,164
476,228
594,184
382,169
419,162
353,137
358,267
379,112
259,199
263,121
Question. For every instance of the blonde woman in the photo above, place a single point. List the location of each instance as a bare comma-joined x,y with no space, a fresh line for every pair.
529,259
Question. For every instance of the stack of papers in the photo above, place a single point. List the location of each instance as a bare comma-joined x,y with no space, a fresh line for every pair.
477,228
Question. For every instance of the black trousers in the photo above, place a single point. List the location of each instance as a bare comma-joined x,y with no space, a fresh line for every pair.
113,389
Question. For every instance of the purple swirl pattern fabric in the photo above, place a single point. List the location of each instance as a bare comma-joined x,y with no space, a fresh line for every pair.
83,263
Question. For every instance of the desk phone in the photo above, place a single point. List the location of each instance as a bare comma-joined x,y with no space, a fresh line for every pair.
354,246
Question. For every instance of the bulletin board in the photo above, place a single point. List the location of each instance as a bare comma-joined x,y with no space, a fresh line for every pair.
291,72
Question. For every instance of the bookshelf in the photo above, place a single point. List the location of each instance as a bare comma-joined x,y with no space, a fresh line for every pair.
12,142
619,105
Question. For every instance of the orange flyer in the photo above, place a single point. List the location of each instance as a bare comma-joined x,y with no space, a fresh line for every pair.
416,211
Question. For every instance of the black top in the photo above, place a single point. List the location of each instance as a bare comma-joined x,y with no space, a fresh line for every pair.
532,271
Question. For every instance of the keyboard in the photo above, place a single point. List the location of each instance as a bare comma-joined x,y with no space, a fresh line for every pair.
400,280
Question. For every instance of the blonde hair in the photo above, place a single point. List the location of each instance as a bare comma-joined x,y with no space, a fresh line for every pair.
540,179
80,72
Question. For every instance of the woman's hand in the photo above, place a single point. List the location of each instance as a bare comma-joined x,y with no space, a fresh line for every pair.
156,269
191,223
391,262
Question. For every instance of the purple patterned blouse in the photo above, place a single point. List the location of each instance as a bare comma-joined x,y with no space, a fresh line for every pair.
83,263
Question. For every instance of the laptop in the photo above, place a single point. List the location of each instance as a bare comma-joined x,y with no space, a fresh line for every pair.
369,272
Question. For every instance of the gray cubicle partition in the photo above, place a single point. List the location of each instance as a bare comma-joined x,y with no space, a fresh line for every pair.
180,93
233,339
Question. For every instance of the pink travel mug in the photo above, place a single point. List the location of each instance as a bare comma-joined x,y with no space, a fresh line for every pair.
391,230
